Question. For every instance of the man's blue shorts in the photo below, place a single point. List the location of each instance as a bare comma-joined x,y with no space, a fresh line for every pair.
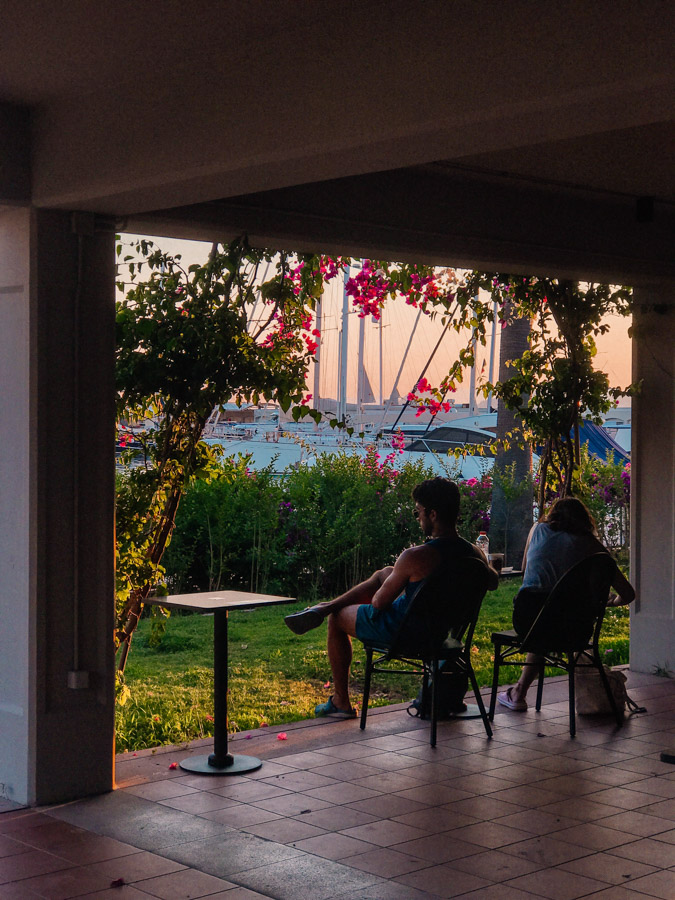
380,625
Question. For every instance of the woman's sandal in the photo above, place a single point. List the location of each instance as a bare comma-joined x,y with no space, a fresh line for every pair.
507,700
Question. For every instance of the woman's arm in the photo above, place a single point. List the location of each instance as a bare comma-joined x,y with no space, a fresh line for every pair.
624,589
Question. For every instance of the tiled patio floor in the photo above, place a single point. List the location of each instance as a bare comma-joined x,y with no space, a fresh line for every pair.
336,812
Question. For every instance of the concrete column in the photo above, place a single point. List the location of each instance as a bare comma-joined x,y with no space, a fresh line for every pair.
56,508
652,642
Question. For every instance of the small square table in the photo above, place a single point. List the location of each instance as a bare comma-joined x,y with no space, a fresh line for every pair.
220,762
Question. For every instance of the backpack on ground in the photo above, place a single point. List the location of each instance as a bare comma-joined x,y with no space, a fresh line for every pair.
452,687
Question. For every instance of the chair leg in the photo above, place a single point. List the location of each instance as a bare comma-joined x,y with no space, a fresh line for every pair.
573,724
366,686
495,680
434,698
540,686
479,701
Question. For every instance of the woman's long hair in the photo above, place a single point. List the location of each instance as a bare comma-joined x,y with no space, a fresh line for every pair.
569,514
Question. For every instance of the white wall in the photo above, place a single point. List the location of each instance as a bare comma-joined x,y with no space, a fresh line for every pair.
652,483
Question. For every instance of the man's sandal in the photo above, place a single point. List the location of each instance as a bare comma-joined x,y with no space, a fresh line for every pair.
303,621
330,709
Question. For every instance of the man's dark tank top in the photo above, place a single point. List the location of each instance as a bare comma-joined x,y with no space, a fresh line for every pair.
450,550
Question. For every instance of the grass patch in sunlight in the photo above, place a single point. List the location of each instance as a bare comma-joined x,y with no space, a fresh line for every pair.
276,676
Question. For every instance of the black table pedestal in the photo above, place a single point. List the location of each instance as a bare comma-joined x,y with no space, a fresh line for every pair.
220,762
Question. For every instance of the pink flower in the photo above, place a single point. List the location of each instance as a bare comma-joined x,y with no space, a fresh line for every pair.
282,736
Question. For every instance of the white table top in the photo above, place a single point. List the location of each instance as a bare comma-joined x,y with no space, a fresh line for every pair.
212,601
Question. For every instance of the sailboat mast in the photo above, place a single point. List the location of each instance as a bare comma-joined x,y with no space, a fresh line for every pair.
493,343
361,368
344,346
317,358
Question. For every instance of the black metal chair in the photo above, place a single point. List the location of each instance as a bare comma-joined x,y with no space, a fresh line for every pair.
438,628
566,631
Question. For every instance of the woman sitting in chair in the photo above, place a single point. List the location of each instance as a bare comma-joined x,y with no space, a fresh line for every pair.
564,537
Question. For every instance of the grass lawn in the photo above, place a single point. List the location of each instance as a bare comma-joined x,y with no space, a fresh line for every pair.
276,676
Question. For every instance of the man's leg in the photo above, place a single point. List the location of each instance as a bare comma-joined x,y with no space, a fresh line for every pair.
360,594
341,629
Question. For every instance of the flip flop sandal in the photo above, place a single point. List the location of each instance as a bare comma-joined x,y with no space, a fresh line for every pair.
303,621
330,709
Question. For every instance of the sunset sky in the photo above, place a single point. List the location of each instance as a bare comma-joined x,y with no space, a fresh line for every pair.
614,349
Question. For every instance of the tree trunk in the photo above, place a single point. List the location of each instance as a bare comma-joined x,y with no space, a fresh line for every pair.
511,512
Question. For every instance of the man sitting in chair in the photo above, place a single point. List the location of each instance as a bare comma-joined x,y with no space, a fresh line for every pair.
374,609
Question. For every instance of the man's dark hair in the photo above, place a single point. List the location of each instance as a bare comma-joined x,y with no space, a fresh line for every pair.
440,494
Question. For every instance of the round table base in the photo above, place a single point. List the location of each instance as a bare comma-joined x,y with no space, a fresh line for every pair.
471,712
239,765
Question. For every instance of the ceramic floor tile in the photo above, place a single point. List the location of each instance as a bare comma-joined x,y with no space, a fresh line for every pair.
443,881
489,834
665,809
292,804
574,785
389,782
390,890
497,892
68,883
16,891
184,885
136,867
338,818
304,878
146,825
333,846
546,851
240,815
392,761
484,808
537,822
622,797
250,791
495,866
439,848
300,781
386,862
434,819
637,823
160,790
232,853
10,847
387,806
284,831
580,808
650,851
337,772
32,863
658,884
527,795
594,836
384,833
197,803
342,793
607,867
434,794
556,884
